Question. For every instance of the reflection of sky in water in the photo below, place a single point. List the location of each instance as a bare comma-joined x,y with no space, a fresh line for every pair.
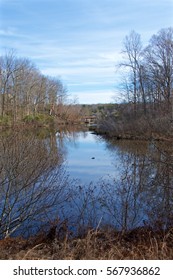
80,162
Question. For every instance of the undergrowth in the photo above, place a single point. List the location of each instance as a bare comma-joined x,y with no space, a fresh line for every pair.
137,244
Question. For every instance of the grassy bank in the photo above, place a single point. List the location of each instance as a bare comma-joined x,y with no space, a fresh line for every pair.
141,243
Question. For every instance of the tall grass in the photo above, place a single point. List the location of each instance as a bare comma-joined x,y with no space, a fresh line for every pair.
107,244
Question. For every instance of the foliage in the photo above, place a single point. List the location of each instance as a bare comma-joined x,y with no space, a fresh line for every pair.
5,120
41,119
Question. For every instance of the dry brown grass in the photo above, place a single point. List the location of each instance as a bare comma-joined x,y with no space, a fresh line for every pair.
138,244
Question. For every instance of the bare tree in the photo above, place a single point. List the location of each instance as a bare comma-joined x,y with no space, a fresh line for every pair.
159,59
132,50
33,182
25,91
8,68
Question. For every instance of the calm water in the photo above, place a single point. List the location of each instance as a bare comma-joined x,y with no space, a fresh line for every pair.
83,180
89,159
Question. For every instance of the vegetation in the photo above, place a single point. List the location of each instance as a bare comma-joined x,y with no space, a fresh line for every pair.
29,96
46,215
147,88
36,192
107,244
32,180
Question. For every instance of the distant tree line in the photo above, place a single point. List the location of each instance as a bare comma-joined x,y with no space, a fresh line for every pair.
26,92
147,85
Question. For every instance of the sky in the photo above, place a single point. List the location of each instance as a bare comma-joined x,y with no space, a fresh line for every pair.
80,41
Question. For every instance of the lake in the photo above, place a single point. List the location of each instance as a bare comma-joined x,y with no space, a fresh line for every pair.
88,158
82,180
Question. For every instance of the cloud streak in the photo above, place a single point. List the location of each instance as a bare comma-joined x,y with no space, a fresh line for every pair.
79,40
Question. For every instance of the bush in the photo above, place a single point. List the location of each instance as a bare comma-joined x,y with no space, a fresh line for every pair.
38,119
5,120
29,119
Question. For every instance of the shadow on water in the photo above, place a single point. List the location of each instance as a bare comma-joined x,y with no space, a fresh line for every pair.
43,182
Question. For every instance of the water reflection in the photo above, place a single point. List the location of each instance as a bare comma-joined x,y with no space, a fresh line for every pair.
32,180
143,194
88,159
84,179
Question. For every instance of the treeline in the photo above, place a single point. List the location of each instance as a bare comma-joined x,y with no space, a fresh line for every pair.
26,94
147,87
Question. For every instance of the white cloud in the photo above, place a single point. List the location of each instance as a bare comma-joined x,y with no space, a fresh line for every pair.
97,96
79,40
7,32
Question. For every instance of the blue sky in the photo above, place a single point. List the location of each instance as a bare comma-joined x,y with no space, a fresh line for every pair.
80,41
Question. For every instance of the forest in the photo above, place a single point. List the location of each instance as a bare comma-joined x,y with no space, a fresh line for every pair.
146,87
38,194
29,96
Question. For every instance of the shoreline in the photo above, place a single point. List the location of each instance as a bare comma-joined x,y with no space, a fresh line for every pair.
140,243
133,137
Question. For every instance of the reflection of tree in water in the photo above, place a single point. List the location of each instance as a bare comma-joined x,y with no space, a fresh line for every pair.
24,158
143,194
140,195
70,136
35,187
160,186
32,179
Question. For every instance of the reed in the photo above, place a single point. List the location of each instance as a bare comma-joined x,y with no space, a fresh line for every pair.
107,244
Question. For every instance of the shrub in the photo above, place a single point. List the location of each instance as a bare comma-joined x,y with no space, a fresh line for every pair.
38,119
5,120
